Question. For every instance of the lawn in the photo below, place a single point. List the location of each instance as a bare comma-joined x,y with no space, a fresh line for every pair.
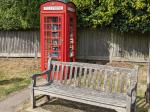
15,74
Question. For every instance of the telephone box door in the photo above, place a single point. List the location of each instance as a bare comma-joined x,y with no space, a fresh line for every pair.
53,38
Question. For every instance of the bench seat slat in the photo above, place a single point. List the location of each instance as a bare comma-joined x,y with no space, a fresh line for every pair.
86,94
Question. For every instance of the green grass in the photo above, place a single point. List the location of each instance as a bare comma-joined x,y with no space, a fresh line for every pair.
12,85
15,74
141,105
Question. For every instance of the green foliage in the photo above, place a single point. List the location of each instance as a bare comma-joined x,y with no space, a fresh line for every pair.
124,15
19,14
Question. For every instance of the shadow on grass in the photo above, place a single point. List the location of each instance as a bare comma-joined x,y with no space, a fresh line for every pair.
141,105
60,105
11,81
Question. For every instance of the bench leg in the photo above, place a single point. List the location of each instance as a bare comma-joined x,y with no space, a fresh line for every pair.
133,108
33,100
129,104
48,97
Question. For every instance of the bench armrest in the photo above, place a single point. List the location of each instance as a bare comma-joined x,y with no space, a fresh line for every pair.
35,76
132,89
131,96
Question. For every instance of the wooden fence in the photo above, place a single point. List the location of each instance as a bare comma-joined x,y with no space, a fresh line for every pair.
130,46
111,45
19,44
91,45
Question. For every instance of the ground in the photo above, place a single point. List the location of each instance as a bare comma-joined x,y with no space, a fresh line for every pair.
15,75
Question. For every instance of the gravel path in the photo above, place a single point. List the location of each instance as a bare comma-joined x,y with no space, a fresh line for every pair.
12,101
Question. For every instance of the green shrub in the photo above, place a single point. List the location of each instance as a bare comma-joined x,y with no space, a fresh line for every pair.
123,15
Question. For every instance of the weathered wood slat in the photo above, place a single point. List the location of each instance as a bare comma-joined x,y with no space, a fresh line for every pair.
100,80
53,71
82,92
86,94
90,78
84,76
70,75
80,76
66,74
94,78
111,83
83,101
57,72
95,66
116,82
75,75
62,73
105,81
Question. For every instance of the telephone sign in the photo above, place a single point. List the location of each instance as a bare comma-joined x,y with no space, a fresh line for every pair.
53,8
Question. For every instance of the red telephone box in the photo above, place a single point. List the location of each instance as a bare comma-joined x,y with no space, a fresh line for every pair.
57,31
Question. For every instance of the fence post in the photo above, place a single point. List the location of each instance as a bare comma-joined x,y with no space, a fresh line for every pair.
111,45
35,44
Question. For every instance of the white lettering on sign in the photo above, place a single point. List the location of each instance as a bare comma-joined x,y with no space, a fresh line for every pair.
54,8
71,9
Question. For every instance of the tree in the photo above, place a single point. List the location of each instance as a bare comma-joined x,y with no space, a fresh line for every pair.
19,14
124,15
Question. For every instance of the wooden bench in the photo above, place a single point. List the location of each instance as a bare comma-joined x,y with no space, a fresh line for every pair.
98,85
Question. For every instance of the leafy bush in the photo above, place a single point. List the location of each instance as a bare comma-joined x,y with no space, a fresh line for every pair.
124,15
19,14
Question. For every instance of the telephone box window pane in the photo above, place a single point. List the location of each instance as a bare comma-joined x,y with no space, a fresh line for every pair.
71,24
71,28
59,19
55,27
45,45
55,34
71,21
49,40
45,34
71,52
55,41
48,34
54,19
59,27
55,54
48,19
55,48
45,27
45,20
49,47
48,27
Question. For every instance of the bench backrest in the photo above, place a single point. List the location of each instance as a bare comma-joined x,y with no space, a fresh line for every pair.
93,76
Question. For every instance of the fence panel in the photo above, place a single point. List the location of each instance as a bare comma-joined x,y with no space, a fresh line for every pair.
19,44
98,44
130,47
93,44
